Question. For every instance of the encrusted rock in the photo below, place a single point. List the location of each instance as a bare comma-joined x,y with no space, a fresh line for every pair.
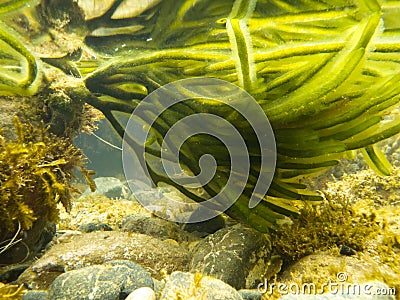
92,226
320,267
237,256
373,290
113,280
110,187
35,295
182,285
156,227
101,246
254,294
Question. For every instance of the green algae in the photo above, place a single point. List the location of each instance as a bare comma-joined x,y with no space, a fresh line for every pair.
325,74
361,212
20,70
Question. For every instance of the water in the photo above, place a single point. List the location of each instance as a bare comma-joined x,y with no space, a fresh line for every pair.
316,98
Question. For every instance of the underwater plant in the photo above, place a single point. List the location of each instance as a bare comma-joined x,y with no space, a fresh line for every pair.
35,175
10,291
25,77
19,68
325,73
330,225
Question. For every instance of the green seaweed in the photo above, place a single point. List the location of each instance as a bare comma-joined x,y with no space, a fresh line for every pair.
19,67
325,74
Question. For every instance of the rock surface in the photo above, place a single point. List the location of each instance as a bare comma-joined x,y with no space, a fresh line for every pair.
237,256
94,226
113,280
98,247
182,285
250,294
156,227
143,293
97,209
35,295
110,187
319,267
334,273
374,290
234,254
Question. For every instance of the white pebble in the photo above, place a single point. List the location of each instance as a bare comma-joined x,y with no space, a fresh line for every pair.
143,293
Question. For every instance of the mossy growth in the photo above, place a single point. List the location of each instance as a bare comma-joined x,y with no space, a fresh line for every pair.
360,211
35,175
329,225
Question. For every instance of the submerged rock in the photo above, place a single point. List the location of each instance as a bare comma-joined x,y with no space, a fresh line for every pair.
182,285
320,267
373,290
110,187
250,294
205,227
330,276
94,226
237,256
156,227
98,247
35,295
126,9
143,293
113,280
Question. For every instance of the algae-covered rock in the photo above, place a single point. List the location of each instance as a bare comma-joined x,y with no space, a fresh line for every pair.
113,280
333,274
90,227
98,209
35,295
110,187
237,256
181,285
374,290
322,266
102,246
156,227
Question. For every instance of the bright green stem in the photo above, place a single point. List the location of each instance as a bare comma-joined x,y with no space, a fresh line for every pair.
11,5
25,87
377,160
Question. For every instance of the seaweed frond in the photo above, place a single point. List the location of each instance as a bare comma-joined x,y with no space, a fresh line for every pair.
325,74
330,225
11,291
35,175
